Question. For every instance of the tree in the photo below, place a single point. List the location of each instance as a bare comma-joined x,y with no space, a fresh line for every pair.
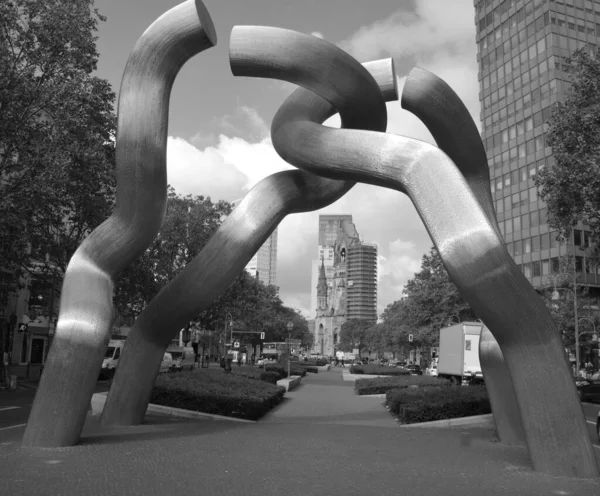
571,187
188,225
353,334
56,129
429,300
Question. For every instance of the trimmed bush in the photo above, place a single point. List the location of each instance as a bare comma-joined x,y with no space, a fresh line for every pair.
424,404
312,370
281,370
212,391
377,370
382,385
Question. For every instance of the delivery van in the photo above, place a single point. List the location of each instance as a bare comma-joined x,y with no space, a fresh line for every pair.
183,358
111,358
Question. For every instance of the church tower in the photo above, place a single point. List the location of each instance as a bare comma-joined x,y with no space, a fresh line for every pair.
322,288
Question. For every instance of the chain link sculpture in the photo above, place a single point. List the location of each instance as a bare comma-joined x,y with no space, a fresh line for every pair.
448,185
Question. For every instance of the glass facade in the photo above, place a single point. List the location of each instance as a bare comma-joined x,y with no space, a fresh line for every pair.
522,52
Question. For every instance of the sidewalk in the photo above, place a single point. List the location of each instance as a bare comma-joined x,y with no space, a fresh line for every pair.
321,441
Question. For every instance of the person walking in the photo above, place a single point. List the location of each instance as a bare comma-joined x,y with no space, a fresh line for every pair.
343,366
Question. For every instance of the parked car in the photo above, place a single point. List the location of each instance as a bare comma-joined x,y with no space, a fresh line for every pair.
414,369
588,390
262,362
183,358
432,370
167,363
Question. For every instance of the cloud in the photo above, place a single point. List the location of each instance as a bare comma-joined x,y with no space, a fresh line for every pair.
438,36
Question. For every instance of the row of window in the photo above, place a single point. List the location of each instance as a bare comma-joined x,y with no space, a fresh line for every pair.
517,129
517,176
516,200
552,266
521,150
520,222
533,244
495,15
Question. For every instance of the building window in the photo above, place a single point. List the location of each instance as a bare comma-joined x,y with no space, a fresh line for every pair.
545,267
525,221
535,244
517,224
535,219
545,241
536,269
518,247
527,245
527,270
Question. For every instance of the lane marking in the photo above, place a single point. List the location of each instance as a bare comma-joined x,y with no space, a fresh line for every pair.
12,427
8,408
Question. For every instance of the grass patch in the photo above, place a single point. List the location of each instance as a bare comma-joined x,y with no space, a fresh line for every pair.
377,370
213,391
428,403
382,385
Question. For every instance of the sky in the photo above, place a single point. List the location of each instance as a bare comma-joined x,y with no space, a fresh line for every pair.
219,143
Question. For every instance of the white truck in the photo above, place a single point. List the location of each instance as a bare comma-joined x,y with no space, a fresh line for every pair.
459,353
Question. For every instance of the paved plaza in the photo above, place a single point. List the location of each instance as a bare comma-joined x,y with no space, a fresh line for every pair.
321,440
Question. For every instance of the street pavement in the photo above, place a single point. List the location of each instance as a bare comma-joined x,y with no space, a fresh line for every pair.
321,440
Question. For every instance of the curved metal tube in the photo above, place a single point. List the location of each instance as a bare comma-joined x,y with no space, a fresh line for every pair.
444,114
252,221
86,310
477,261
500,391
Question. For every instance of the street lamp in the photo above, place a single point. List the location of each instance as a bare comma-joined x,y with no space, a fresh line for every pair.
555,296
290,326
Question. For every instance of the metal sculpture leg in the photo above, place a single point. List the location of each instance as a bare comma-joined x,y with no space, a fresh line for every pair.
449,122
86,311
477,261
250,224
505,408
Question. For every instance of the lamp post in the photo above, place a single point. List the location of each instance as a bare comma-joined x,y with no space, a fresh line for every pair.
290,326
555,296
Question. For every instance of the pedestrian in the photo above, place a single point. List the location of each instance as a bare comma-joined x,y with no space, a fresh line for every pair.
239,360
223,364
336,361
343,366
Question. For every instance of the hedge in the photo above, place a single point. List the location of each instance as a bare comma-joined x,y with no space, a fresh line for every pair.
424,404
382,385
314,363
212,391
377,370
281,370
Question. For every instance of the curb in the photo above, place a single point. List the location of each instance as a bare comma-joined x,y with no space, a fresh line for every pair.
478,420
99,399
381,396
289,383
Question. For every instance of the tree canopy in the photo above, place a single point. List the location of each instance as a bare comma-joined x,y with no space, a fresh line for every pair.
430,300
571,187
56,133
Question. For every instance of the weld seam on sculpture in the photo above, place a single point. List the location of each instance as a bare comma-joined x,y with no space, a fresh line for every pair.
86,310
247,227
444,114
478,263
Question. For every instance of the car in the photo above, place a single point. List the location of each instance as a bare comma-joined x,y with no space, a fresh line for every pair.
589,390
262,362
432,370
414,369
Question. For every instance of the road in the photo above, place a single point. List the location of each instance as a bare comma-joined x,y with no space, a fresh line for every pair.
16,405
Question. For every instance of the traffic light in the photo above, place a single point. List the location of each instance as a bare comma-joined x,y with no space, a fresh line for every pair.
262,335
410,338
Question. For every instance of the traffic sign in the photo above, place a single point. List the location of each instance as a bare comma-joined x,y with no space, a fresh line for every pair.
410,338
236,344
262,335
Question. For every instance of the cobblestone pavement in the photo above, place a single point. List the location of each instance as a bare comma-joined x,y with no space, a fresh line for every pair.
322,440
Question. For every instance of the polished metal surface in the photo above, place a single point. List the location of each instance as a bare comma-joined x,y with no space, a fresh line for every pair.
477,261
255,218
501,392
86,310
452,127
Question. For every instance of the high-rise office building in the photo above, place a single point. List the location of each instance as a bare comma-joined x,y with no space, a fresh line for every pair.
522,49
264,261
361,284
